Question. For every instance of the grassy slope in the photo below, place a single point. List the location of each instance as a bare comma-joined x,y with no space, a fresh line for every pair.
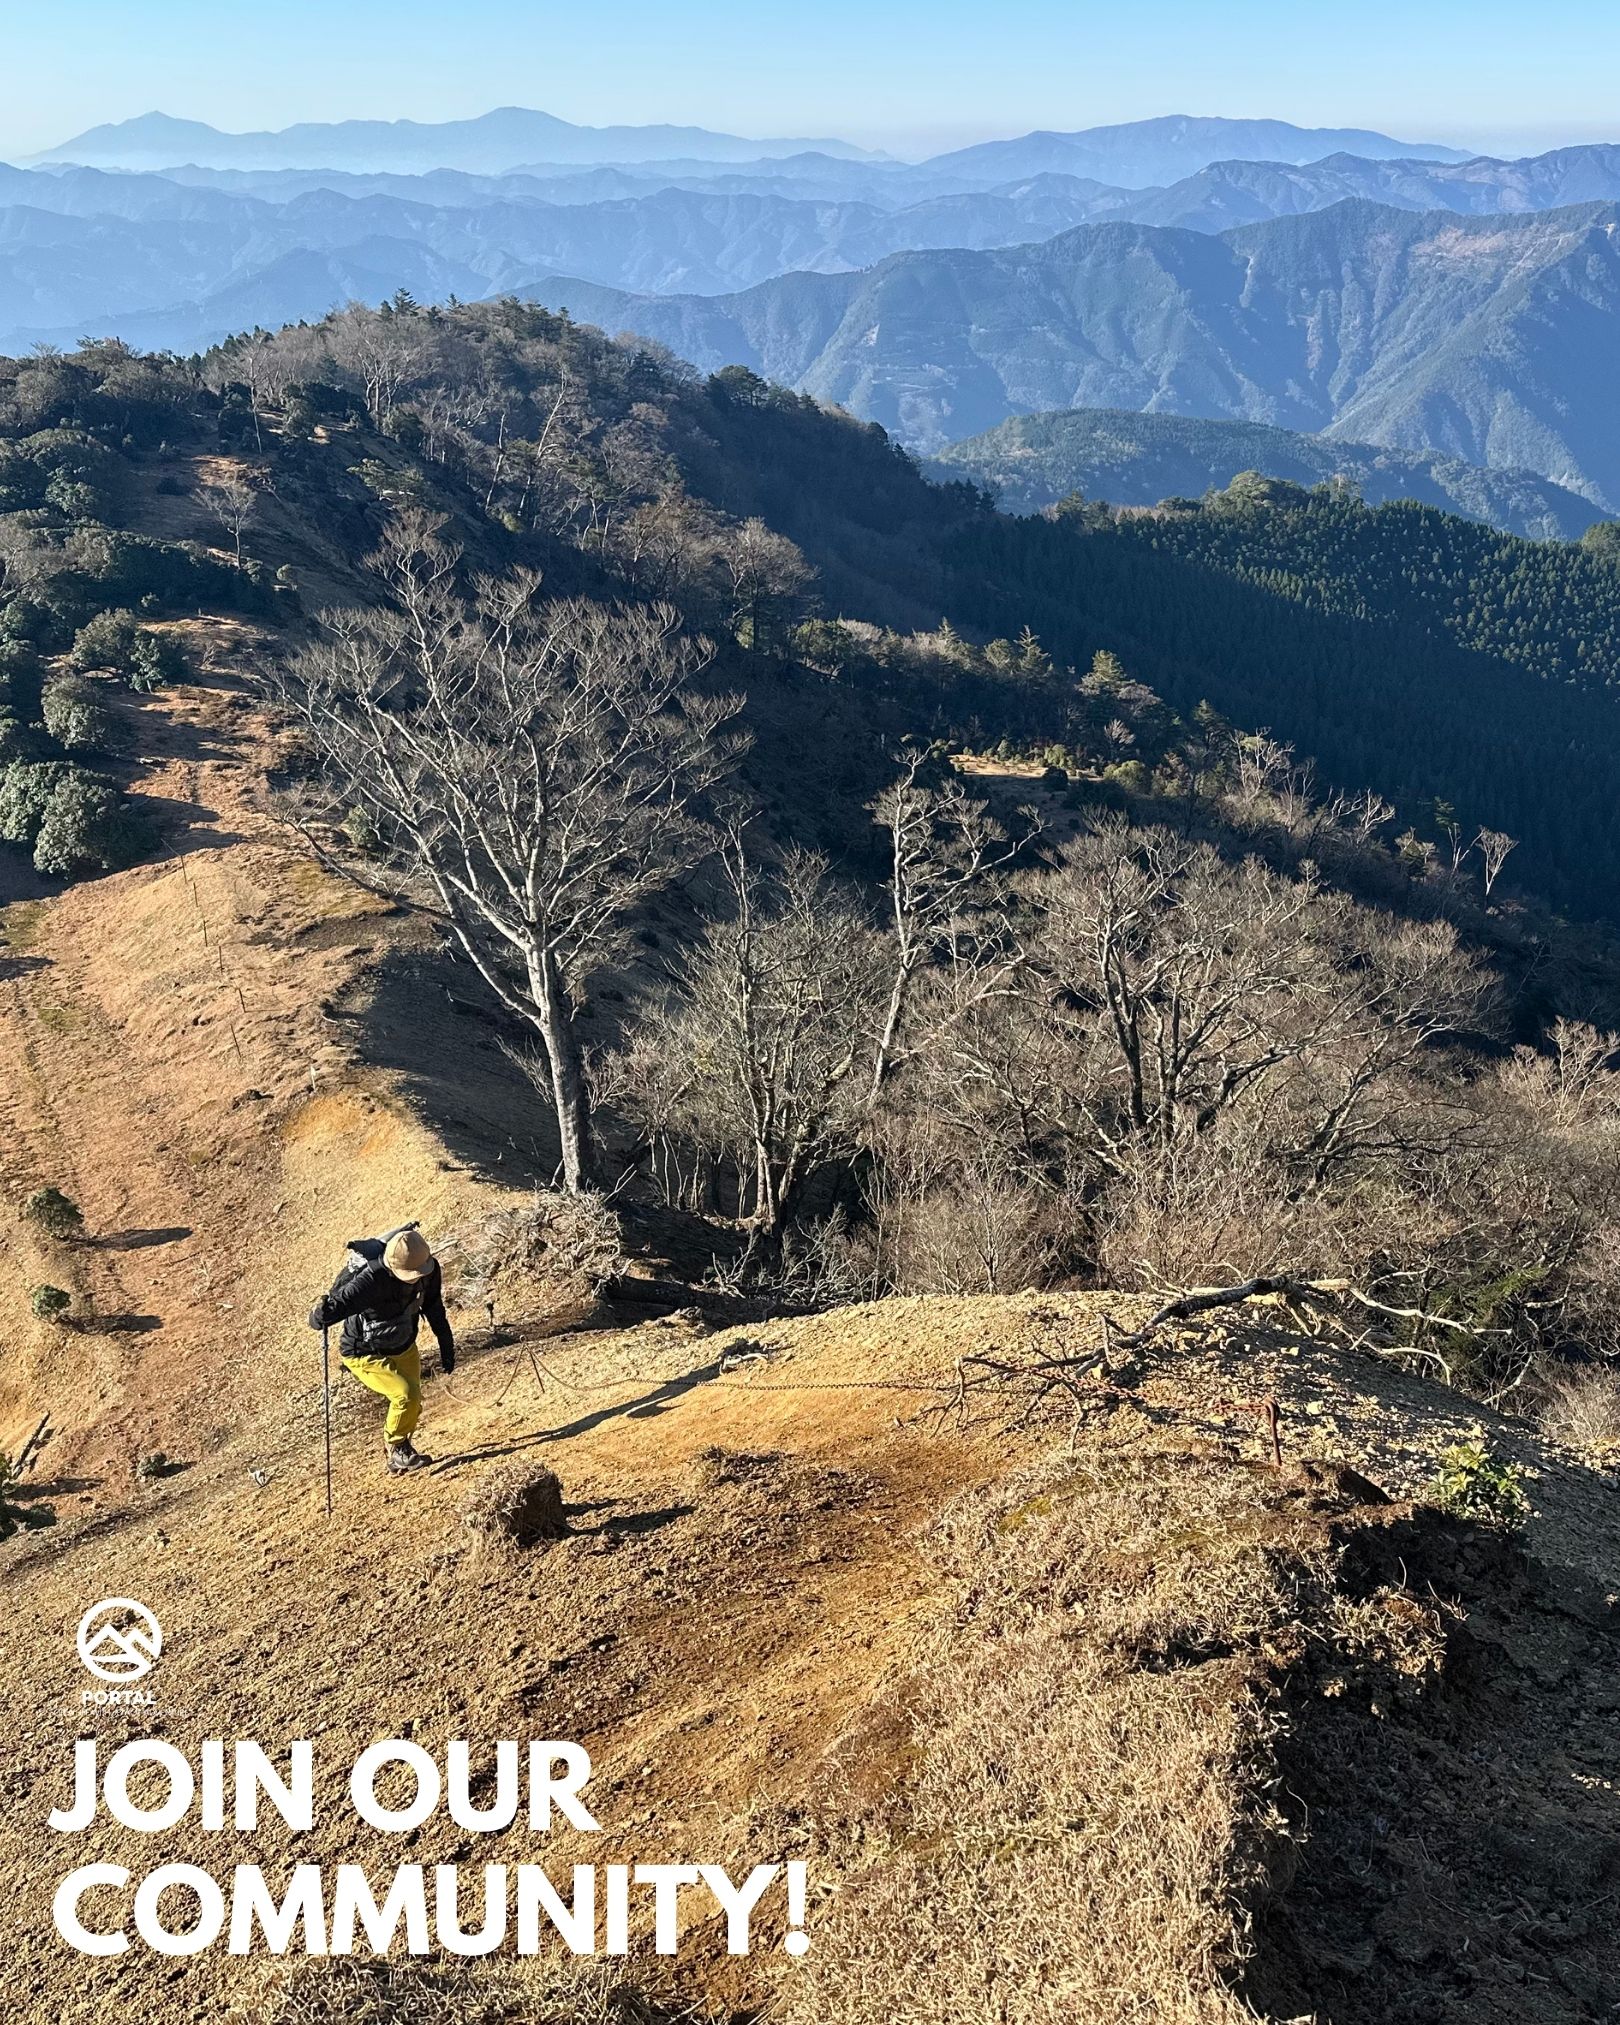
1020,1703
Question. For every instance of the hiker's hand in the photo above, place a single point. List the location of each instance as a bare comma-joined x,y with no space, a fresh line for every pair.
447,1358
317,1315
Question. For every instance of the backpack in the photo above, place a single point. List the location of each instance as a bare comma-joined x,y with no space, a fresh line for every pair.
379,1335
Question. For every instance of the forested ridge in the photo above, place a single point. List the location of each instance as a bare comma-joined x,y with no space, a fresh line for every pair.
1550,607
1399,646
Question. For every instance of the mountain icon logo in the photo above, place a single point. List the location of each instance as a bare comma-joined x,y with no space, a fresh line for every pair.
119,1639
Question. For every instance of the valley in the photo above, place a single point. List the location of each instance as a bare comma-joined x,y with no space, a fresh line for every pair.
1142,459
1381,326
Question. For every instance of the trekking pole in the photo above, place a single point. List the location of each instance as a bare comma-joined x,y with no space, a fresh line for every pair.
326,1395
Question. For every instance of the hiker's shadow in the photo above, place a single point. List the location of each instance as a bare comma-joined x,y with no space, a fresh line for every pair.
647,1407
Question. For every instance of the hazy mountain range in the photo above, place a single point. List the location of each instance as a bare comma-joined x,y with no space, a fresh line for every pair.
1331,283
1489,339
1243,193
1134,155
175,265
181,260
494,141
1136,459
1148,152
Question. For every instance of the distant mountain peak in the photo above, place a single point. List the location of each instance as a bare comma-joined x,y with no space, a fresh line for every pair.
1142,154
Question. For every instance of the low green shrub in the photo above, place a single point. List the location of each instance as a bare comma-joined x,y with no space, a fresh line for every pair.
115,642
19,660
58,1215
76,821
1472,1483
25,794
107,641
87,827
75,499
360,827
155,660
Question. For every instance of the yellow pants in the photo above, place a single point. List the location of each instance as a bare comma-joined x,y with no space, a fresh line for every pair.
399,1381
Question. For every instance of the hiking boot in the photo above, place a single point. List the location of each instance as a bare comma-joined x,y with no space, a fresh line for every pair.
403,1457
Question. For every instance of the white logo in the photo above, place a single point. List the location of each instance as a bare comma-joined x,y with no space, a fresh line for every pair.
113,1647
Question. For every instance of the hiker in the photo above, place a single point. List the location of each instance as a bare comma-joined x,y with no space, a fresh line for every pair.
386,1286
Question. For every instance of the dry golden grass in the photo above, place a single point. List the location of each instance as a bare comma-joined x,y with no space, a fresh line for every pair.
567,1993
1581,1406
1087,1822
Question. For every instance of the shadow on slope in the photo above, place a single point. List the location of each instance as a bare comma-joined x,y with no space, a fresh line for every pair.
431,1021
1460,1853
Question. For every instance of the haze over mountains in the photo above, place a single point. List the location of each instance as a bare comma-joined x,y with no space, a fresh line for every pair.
173,265
1492,340
494,141
1315,281
180,260
1139,153
1147,152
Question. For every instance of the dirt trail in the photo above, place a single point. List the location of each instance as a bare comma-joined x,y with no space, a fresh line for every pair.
712,1624
166,1061
732,1621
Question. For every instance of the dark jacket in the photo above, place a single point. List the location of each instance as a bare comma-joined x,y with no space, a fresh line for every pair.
380,1314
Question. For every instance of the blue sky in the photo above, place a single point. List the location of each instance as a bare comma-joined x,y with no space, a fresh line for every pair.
912,75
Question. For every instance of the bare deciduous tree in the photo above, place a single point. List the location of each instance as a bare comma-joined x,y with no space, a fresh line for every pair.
232,499
532,766
1192,988
763,1055
265,366
1494,847
382,347
767,579
946,853
1169,974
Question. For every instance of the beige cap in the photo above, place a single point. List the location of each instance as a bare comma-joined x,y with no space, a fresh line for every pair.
407,1256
